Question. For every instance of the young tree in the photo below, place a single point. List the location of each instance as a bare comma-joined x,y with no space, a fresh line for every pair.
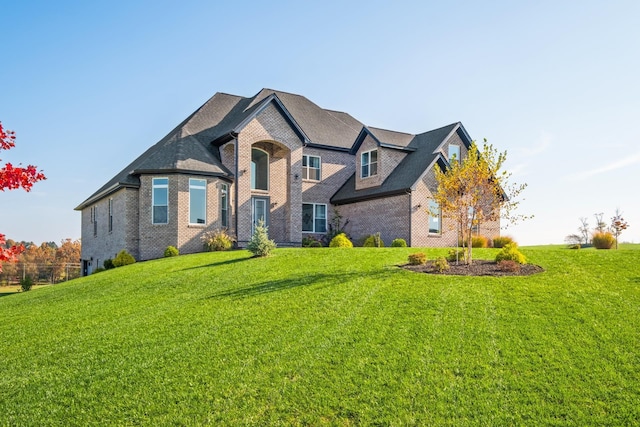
601,226
476,190
584,230
12,178
618,225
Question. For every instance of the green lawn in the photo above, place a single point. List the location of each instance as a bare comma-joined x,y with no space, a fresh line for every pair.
327,337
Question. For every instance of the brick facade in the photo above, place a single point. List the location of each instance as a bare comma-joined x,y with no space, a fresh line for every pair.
394,214
100,243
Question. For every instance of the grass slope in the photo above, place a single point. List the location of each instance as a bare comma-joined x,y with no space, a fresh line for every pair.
327,337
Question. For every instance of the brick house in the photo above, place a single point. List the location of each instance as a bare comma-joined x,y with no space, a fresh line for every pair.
275,156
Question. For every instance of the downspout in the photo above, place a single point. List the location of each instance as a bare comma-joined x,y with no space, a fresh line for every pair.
236,192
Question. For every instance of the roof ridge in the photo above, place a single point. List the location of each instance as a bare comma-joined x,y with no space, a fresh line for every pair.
391,130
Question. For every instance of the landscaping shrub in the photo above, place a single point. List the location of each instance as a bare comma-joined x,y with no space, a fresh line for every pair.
603,240
311,242
123,258
218,240
171,251
509,266
373,241
418,258
341,241
99,270
574,246
510,252
479,242
26,283
260,244
399,243
441,265
455,255
108,264
500,241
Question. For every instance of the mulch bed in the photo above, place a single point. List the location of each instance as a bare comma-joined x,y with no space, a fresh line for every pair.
479,267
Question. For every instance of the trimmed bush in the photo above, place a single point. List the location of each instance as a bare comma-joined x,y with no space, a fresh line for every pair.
399,243
108,264
418,258
510,252
123,258
441,265
341,241
171,251
373,241
455,255
99,270
218,240
310,242
500,241
479,242
509,266
603,240
260,244
26,284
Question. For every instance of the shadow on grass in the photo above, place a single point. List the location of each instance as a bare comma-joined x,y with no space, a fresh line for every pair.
217,264
292,282
635,279
4,294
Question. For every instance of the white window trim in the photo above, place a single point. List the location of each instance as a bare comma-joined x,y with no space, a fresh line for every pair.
153,196
224,190
369,164
268,171
205,200
313,220
439,216
459,157
309,168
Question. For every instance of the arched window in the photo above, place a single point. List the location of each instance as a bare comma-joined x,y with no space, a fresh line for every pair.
259,169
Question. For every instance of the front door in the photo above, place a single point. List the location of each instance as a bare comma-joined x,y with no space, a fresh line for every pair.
259,211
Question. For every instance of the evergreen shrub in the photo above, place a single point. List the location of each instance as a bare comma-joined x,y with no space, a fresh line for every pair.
510,252
123,258
340,241
399,243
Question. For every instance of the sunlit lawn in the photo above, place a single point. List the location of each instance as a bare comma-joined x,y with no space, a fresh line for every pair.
327,337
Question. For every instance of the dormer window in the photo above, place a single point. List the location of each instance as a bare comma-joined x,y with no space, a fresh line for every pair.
369,164
454,152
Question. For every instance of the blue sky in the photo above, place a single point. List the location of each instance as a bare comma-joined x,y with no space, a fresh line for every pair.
88,86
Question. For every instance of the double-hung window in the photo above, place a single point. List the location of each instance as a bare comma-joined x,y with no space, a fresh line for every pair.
435,218
197,201
314,218
369,163
224,205
160,201
311,168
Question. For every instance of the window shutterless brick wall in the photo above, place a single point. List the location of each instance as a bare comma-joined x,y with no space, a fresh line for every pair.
388,216
106,244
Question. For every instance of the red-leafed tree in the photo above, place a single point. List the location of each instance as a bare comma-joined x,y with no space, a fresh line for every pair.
11,178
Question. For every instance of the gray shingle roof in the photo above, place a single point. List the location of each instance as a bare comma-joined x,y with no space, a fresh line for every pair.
192,146
406,174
